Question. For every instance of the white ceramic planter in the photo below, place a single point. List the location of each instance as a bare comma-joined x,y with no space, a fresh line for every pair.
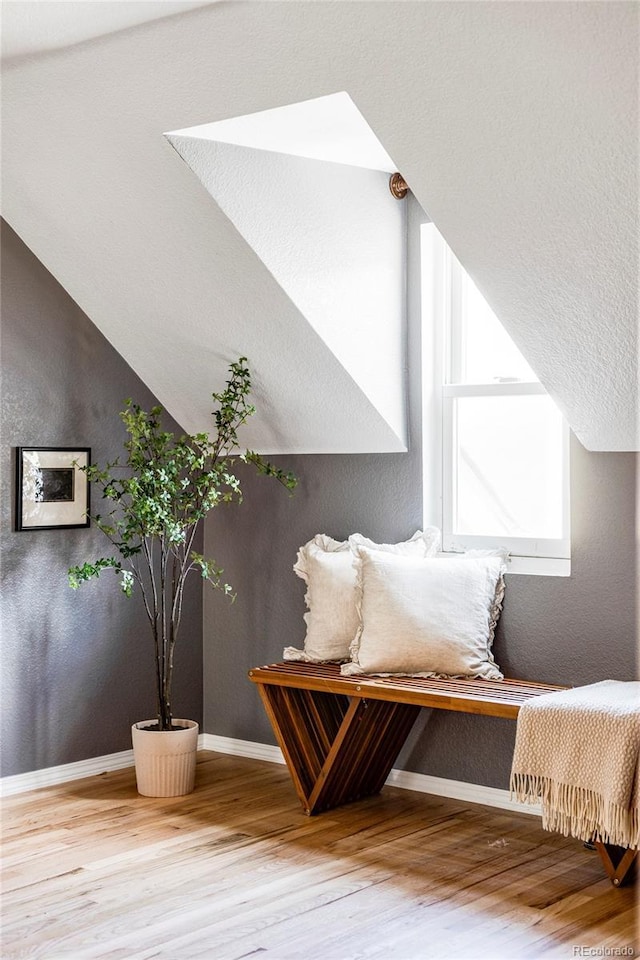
165,759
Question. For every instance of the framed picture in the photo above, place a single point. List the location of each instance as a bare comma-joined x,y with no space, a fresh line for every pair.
52,491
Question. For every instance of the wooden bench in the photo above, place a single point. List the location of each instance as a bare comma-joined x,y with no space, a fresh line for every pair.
340,736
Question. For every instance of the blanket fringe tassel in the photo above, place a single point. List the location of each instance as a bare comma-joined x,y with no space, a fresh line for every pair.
578,812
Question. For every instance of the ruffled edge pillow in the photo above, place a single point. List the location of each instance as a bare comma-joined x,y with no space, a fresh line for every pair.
327,567
427,617
424,543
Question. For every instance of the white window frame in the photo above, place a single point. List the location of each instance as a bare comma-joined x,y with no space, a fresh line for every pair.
441,293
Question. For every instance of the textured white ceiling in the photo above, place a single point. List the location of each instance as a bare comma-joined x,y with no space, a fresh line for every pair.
514,123
34,26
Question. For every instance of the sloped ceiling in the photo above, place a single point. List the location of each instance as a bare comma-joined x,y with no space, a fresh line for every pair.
32,27
514,123
334,238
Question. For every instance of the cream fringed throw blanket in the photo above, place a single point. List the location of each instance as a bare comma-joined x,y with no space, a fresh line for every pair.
577,751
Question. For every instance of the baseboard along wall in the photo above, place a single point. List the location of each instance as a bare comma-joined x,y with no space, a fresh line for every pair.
420,782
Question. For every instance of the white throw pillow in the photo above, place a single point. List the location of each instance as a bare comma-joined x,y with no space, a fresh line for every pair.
424,543
327,567
426,616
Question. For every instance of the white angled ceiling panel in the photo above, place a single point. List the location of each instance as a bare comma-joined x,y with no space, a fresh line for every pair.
515,124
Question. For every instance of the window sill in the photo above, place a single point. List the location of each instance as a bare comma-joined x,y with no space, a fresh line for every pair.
539,566
532,566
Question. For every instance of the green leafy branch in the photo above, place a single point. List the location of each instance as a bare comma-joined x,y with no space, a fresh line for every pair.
153,503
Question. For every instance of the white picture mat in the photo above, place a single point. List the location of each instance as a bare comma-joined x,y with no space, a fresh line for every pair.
37,513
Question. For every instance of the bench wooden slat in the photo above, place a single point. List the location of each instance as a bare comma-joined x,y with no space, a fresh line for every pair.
496,698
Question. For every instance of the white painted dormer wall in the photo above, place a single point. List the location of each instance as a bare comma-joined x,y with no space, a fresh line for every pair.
515,125
298,184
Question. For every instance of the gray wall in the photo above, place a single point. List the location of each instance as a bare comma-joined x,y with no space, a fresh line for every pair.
77,667
76,670
572,631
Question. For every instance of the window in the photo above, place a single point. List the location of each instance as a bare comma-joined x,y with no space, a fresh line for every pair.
500,442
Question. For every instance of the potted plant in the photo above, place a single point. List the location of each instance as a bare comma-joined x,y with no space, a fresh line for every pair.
156,499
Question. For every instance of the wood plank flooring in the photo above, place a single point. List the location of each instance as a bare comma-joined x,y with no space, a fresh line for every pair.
92,871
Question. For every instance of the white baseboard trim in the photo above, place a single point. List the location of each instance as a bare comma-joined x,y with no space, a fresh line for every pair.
51,776
459,790
240,748
422,783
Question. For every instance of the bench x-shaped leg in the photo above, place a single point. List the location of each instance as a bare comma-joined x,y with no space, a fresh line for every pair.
617,861
338,748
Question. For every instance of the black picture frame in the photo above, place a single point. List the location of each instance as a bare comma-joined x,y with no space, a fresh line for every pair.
52,492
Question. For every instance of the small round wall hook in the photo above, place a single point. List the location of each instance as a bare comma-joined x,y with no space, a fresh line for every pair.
398,186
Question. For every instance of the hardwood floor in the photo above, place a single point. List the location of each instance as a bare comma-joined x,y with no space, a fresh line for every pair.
92,870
